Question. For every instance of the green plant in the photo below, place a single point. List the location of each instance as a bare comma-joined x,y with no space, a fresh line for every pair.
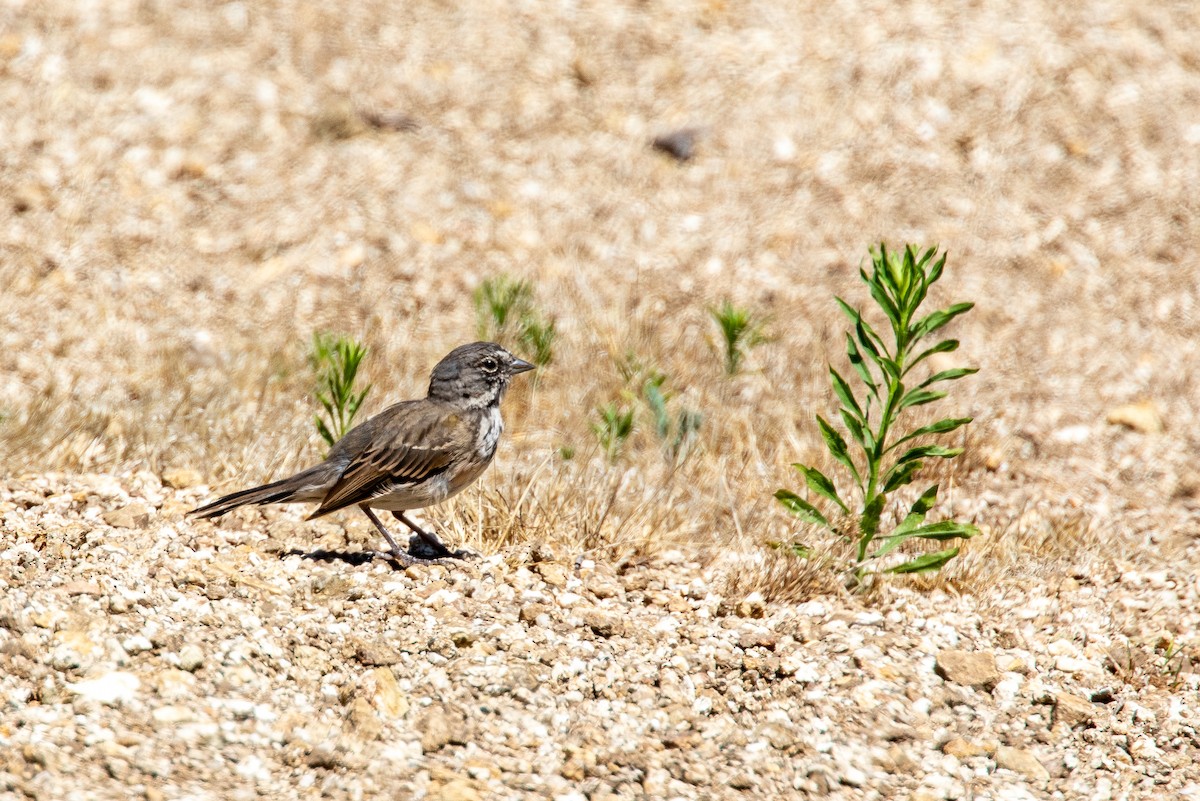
614,427
898,284
335,360
537,337
505,312
739,332
677,434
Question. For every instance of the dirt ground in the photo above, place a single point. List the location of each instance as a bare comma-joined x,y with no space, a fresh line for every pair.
189,190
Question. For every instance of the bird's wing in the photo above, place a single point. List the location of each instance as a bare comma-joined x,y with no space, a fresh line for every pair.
404,444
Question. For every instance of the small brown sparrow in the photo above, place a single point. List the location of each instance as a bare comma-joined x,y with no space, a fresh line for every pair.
411,455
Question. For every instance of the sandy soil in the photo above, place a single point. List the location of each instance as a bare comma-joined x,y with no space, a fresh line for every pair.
188,191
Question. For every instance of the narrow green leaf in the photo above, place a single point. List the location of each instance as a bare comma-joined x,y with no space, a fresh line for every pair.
890,368
939,318
940,427
949,375
882,271
854,426
658,407
936,271
860,367
869,340
945,530
819,483
801,508
323,430
802,551
837,447
945,346
925,451
845,395
920,507
890,309
942,531
919,397
925,563
927,279
901,474
868,524
847,310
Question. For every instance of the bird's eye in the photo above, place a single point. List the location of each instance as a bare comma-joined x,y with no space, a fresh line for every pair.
489,365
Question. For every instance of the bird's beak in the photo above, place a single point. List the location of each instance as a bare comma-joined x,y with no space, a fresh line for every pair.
521,366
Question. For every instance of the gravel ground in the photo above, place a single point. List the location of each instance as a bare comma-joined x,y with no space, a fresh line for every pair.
142,655
189,190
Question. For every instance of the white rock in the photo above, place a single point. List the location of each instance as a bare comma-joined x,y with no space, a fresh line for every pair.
137,644
110,689
1072,435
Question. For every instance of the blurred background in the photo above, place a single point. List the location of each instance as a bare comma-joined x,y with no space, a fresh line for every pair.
188,190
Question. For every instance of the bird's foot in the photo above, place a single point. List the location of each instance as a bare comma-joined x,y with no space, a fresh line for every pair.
406,559
429,547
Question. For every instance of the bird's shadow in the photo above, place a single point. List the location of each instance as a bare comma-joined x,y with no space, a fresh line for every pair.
323,555
416,548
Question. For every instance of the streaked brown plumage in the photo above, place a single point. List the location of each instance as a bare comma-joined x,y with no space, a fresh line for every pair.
412,454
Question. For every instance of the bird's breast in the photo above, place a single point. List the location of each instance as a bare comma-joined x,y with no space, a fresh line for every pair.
491,426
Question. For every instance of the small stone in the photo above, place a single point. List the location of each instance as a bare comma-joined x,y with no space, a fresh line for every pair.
463,638
440,726
374,654
363,720
603,587
81,588
182,478
603,624
1011,663
323,756
752,606
758,638
1072,435
134,515
389,700
962,749
553,573
741,781
110,689
970,668
172,683
1070,664
1073,710
191,658
137,644
1143,748
680,144
1020,760
456,790
1144,417
173,715
780,736
531,612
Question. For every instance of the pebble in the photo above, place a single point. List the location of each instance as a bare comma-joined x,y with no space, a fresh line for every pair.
1022,761
971,668
111,688
191,658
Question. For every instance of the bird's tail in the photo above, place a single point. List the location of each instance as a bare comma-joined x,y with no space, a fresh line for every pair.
309,485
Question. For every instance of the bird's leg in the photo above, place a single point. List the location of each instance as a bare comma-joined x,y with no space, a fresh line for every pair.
403,557
428,539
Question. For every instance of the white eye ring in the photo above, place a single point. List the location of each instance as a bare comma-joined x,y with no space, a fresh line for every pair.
489,365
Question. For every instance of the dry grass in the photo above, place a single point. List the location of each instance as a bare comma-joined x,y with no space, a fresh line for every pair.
190,192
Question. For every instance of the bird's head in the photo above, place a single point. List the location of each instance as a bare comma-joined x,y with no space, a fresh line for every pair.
476,374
